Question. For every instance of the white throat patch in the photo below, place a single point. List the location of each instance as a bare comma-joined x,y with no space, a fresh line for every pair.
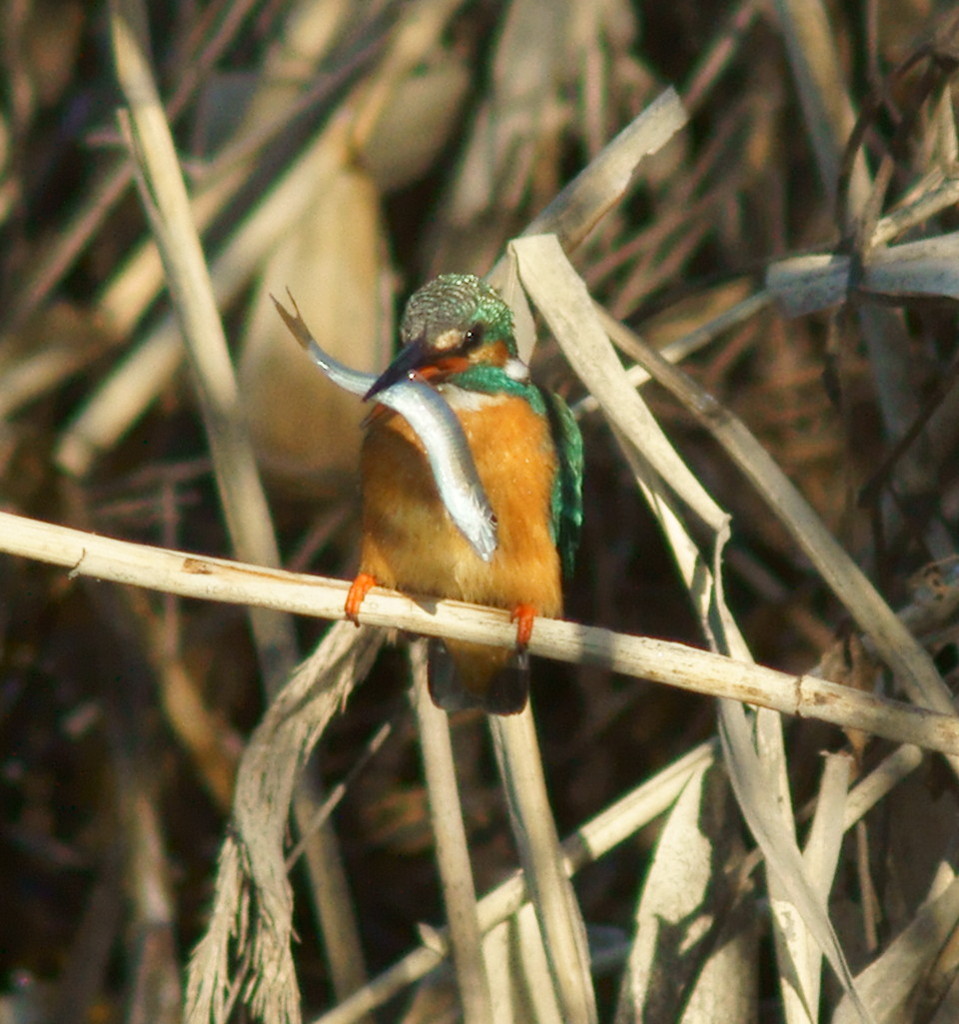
516,370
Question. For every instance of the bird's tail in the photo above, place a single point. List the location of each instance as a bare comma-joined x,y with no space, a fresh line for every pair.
463,675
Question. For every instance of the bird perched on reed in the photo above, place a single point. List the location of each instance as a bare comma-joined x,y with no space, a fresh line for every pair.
457,335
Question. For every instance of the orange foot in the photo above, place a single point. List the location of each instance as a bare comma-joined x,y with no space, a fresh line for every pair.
523,615
359,588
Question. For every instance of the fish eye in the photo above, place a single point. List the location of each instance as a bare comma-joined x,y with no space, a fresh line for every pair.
473,337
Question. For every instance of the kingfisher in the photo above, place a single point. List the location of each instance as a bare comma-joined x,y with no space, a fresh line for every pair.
458,337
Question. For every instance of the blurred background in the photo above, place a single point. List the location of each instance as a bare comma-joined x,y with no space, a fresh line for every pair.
349,152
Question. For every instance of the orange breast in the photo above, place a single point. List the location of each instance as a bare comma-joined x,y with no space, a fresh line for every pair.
409,541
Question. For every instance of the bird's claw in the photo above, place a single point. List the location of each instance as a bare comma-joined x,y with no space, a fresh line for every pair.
359,588
523,615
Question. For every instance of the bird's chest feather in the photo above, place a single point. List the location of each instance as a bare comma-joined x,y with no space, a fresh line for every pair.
409,541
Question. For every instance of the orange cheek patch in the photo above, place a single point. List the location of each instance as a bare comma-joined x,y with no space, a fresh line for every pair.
443,368
498,353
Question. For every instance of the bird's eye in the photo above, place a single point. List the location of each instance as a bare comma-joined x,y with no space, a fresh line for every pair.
473,337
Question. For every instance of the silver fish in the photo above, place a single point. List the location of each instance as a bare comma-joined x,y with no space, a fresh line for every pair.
434,423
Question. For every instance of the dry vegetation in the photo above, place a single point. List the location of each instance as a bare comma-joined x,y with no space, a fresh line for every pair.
164,768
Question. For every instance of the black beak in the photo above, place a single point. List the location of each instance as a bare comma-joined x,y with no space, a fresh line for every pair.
410,358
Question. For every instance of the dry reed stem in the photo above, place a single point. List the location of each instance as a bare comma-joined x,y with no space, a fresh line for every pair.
673,664
590,842
452,850
241,494
252,915
587,844
858,595
557,912
136,379
167,205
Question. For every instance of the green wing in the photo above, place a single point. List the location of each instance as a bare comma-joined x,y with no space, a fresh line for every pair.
567,502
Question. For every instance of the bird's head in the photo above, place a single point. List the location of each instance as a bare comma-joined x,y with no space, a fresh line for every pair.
450,326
